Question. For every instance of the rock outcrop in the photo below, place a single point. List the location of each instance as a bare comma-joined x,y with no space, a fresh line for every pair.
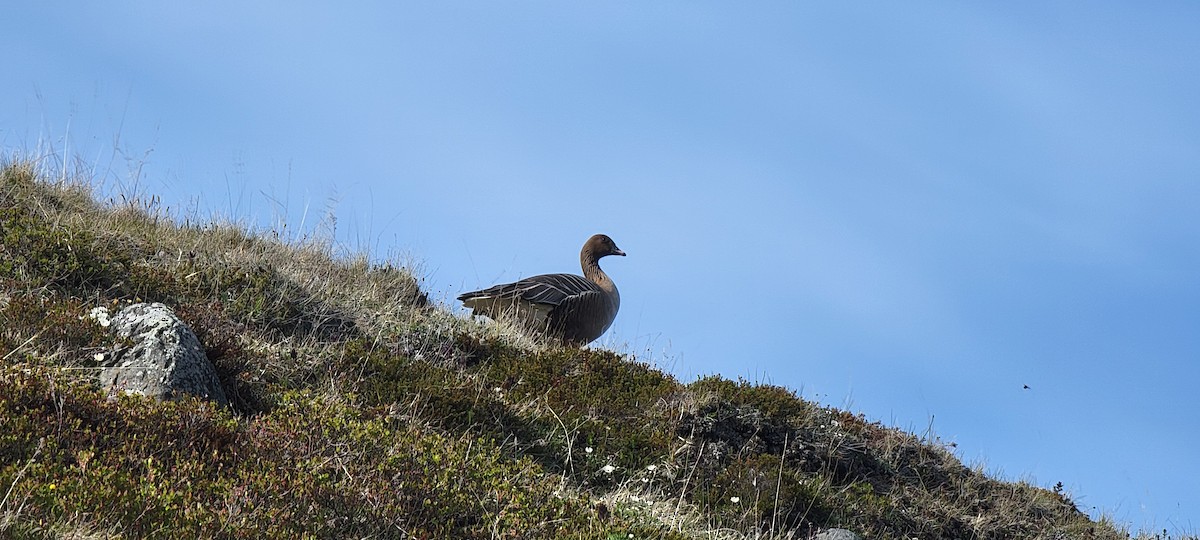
165,359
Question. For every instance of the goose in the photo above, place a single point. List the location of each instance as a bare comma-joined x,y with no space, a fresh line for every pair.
574,309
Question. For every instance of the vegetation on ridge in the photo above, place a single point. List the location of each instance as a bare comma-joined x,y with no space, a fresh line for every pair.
361,410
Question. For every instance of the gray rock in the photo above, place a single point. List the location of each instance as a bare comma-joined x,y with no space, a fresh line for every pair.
836,534
166,358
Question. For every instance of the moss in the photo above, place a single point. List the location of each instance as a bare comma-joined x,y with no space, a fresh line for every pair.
596,398
616,418
39,251
773,401
310,467
756,491
258,295
47,324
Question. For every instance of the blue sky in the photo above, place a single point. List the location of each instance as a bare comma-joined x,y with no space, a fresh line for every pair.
911,210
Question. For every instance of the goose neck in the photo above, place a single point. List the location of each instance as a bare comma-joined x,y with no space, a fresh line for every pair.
591,268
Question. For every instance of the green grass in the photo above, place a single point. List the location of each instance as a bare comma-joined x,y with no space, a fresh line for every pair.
361,410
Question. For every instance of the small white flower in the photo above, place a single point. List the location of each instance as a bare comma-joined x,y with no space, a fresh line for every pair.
651,467
735,500
498,390
588,449
99,357
635,498
101,316
645,480
608,469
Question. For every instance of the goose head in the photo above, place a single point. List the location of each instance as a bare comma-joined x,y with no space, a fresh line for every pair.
600,245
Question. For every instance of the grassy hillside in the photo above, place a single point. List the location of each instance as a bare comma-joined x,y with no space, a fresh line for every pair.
360,410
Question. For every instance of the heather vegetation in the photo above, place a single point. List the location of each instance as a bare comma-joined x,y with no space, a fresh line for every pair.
359,409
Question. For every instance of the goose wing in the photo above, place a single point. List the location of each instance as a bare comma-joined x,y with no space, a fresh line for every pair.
534,301
546,289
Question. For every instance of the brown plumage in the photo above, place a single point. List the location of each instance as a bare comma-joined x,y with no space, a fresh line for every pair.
574,309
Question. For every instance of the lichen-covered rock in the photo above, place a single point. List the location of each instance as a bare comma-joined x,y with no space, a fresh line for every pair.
836,534
166,358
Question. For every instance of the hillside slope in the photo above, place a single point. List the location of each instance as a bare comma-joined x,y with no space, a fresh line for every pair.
361,410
